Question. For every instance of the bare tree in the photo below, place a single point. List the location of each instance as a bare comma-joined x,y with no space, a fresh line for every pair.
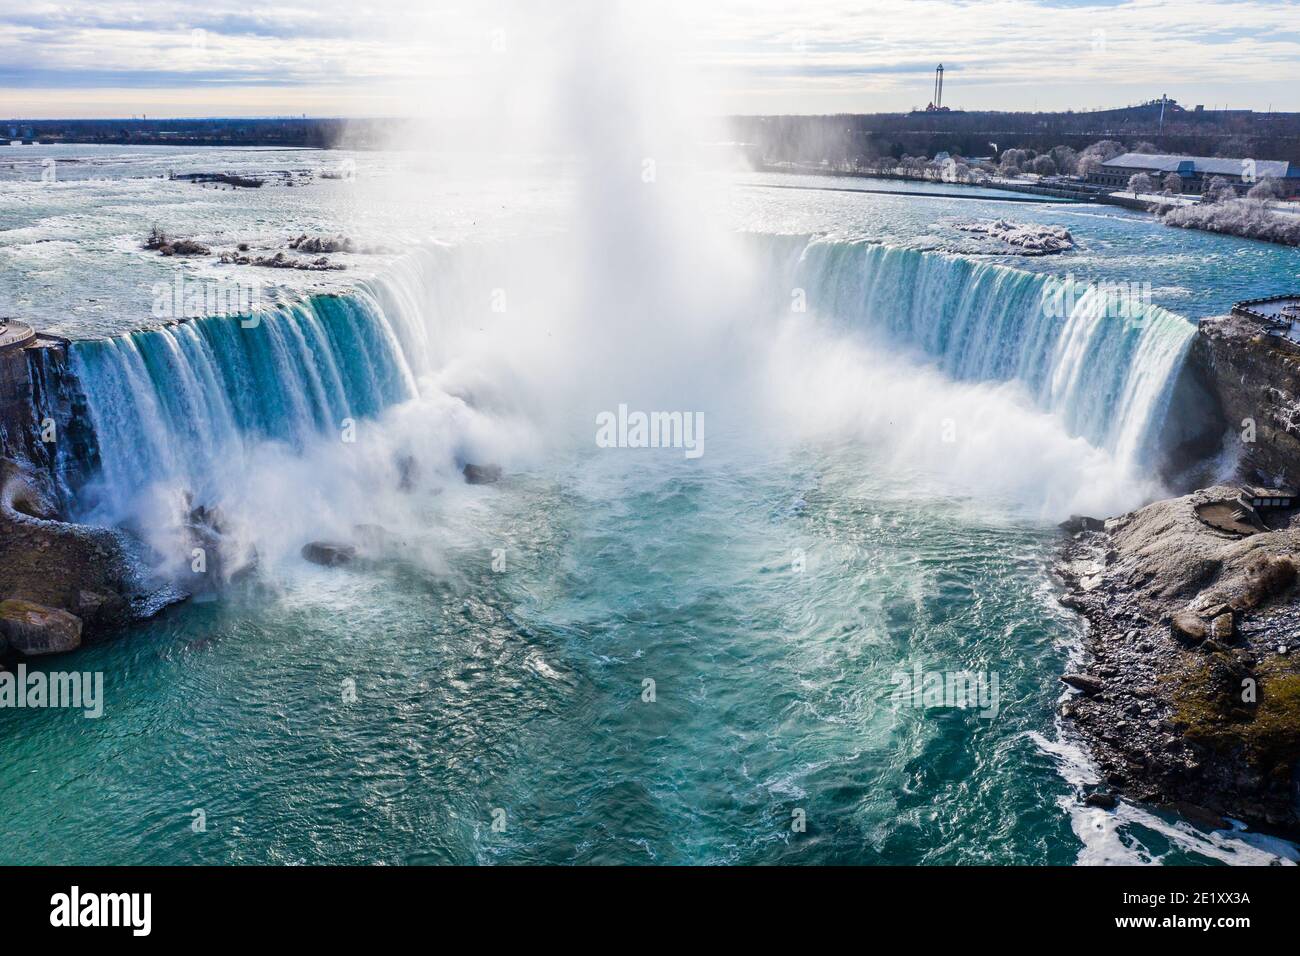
1234,146
1173,184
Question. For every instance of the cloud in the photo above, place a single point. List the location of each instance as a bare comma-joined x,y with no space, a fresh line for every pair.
764,55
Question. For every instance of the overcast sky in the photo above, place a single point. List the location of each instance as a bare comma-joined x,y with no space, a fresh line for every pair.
350,57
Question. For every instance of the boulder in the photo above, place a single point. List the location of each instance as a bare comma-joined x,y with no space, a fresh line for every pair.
1221,627
1188,628
1102,799
328,553
35,629
482,474
1200,816
1085,682
1076,523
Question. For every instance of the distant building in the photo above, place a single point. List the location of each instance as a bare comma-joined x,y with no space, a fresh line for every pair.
1196,172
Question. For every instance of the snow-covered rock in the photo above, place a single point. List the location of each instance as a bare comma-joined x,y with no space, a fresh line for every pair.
1030,239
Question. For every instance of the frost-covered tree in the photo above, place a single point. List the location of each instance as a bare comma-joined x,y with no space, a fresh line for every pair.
1218,190
1013,160
1066,159
1250,218
1234,146
1145,148
1096,154
1141,183
1266,188
1044,165
1173,184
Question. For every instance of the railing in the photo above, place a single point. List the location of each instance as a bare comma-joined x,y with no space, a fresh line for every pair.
1244,309
14,334
1278,329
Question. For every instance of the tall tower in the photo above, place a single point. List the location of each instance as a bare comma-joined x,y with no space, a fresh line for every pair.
938,87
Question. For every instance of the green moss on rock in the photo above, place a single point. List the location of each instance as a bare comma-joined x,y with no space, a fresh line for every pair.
1209,704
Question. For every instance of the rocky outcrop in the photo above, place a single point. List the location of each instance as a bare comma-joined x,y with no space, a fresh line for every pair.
1191,696
225,179
158,241
1256,382
1026,239
33,629
94,574
318,244
481,474
281,261
43,417
217,558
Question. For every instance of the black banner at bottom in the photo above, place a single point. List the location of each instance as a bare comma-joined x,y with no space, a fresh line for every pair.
302,905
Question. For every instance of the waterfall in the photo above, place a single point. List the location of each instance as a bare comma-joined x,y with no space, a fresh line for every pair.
1107,376
171,402
185,403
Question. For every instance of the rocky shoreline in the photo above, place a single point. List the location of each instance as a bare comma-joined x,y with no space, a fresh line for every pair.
1189,695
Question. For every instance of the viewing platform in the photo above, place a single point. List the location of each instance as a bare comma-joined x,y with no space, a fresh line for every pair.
1278,314
15,334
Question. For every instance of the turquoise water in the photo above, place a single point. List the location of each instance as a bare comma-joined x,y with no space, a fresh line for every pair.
522,690
882,476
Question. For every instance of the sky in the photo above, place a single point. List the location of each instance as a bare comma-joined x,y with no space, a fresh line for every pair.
161,58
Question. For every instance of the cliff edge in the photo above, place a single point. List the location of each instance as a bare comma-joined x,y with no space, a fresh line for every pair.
1254,378
49,565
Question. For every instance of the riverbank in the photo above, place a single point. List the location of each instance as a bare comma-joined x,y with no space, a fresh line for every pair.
1189,694
1241,218
898,192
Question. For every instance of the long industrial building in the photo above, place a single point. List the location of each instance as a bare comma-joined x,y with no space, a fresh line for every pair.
1196,172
